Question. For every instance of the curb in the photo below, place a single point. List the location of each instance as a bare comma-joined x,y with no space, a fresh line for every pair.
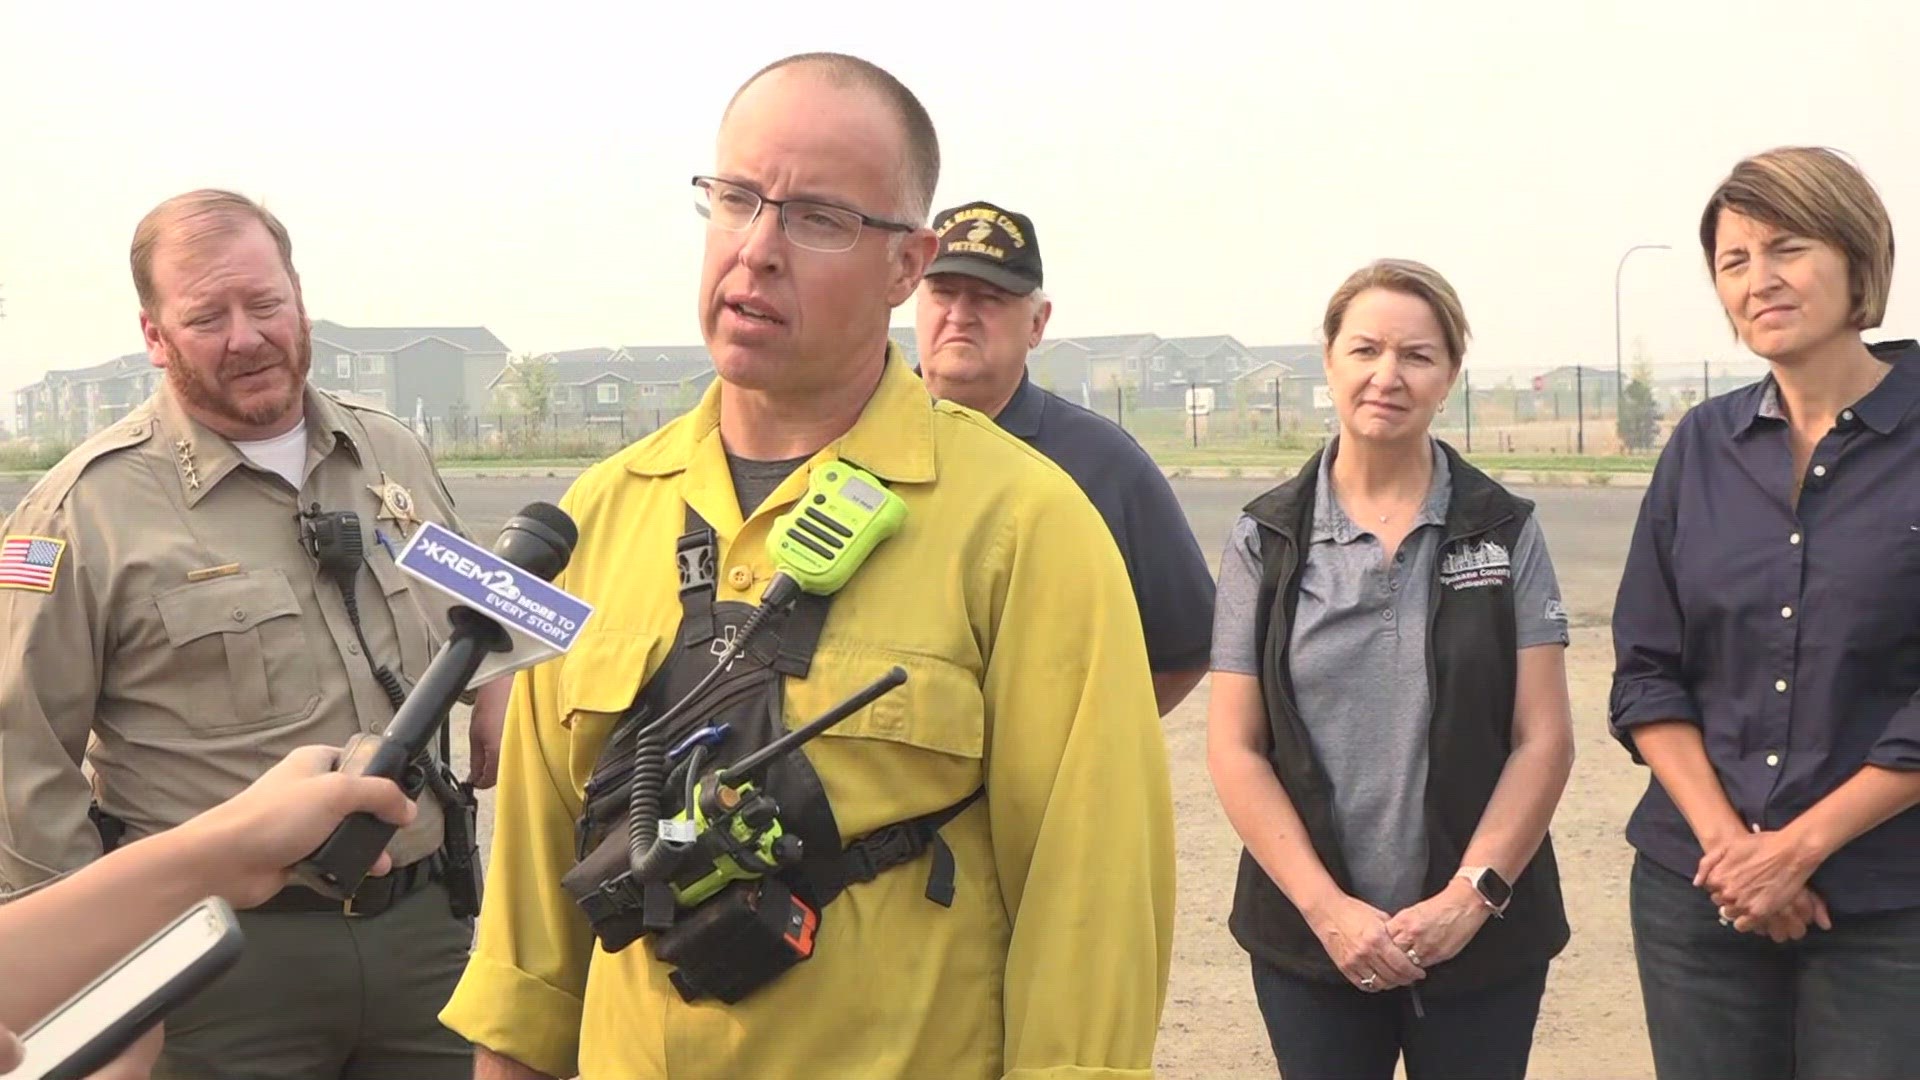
512,472
1521,477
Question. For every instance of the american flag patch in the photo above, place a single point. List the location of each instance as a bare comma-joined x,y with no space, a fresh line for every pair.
29,562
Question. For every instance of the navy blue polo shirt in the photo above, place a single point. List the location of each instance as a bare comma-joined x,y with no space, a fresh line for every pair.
1171,581
1789,634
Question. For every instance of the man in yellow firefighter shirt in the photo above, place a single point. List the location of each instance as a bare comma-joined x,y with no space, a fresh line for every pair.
1003,597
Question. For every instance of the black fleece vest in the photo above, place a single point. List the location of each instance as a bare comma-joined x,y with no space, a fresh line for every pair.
1472,662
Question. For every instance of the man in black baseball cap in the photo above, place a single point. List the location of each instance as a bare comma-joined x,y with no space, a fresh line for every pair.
997,246
981,309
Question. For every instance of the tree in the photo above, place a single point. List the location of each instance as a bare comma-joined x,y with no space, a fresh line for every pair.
1639,421
534,387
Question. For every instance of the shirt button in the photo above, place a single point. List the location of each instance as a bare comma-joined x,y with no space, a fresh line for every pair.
1387,614
1773,760
1846,414
1395,587
239,615
1819,470
1780,685
739,577
353,648
1794,539
1786,613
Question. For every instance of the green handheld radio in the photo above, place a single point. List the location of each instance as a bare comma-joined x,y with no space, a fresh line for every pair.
729,830
817,547
733,833
844,515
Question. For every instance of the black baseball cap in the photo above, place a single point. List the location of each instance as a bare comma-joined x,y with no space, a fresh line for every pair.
995,245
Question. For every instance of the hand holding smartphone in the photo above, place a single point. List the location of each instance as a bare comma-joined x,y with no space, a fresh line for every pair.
98,1024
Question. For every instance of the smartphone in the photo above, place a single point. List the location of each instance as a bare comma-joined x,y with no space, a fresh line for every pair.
97,1025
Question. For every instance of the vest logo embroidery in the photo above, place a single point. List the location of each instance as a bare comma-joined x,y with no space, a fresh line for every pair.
1476,563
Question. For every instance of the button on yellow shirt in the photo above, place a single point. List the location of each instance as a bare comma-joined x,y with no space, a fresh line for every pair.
1004,598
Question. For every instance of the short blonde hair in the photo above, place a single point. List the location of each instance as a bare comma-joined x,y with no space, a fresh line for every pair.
1814,192
194,216
1408,278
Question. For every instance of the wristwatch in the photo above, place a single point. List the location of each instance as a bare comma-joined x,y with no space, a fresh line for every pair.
1493,889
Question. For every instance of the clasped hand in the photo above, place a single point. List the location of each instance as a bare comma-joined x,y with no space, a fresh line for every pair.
1377,951
1759,882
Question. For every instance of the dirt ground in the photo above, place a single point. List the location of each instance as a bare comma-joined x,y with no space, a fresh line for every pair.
1591,1026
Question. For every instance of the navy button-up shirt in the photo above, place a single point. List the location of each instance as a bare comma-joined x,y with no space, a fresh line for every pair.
1172,585
1790,635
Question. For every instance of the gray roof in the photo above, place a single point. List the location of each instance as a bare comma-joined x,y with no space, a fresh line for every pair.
1294,356
389,339
583,372
111,369
597,355
1205,345
672,354
1123,345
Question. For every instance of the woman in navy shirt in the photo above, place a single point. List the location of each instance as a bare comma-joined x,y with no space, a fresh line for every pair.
1767,659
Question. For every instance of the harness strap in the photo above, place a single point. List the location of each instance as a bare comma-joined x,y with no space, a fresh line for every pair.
888,847
698,555
799,632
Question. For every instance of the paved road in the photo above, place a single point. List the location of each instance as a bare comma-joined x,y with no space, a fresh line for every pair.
1587,528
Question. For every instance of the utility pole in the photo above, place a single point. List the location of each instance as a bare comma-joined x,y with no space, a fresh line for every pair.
1468,398
1619,384
1579,411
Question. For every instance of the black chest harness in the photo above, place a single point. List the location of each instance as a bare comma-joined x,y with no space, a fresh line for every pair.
728,941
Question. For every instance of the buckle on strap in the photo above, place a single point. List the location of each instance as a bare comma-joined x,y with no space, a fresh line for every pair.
894,845
864,859
696,557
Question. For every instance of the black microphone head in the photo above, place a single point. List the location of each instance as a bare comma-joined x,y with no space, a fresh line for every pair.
539,539
553,518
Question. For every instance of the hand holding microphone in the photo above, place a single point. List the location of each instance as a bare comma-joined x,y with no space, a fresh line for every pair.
539,540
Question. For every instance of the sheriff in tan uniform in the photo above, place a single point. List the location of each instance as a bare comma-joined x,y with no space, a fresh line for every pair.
159,599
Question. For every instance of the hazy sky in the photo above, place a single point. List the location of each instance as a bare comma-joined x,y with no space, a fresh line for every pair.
1193,168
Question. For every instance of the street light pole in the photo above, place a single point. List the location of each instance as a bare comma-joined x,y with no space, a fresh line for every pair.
1619,384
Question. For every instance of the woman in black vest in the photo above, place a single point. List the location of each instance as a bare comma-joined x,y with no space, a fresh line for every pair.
1767,659
1389,730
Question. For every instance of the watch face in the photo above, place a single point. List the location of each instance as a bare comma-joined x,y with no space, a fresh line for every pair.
1496,890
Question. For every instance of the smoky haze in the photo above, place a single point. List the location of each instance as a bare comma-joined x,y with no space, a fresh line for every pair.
1198,169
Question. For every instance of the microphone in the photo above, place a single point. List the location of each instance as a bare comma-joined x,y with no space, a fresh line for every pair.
538,540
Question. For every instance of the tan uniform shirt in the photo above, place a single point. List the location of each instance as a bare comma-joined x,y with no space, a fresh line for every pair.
187,629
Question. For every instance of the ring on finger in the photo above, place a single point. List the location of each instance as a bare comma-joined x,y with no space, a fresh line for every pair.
1369,982
1413,955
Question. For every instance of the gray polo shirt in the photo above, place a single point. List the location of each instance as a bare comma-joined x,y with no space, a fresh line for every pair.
1358,656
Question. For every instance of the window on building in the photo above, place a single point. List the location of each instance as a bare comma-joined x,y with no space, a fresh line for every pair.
609,393
343,367
374,364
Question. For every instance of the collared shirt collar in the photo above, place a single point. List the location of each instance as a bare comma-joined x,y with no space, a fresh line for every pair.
1330,521
1021,414
1881,410
893,439
204,457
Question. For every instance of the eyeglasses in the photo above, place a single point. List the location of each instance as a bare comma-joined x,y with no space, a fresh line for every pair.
816,226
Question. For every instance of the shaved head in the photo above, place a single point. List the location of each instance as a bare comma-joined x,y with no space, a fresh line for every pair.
920,164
